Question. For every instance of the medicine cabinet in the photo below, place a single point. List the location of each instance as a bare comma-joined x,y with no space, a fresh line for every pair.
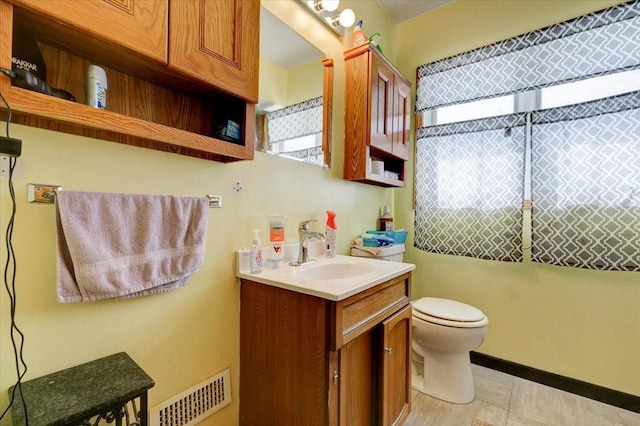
377,118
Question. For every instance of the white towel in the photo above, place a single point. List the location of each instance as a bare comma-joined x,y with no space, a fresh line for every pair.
126,245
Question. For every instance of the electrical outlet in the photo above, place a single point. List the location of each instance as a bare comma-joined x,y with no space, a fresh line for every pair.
37,193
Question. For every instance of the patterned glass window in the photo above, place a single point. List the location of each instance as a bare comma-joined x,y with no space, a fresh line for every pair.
469,183
295,121
586,184
296,131
596,44
585,175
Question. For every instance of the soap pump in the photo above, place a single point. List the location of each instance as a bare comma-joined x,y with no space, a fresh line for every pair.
255,263
330,235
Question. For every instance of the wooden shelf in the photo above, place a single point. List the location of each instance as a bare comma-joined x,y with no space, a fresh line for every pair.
35,109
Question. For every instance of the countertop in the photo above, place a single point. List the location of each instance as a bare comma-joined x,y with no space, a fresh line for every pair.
287,277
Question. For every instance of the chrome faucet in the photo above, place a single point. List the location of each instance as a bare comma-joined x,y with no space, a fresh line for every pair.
305,235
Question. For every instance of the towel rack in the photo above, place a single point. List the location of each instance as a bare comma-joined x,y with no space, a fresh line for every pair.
46,193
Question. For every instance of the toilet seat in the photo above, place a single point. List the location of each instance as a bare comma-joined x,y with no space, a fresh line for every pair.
448,312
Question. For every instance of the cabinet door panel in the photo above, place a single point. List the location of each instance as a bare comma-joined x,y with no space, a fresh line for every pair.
381,106
138,25
396,367
401,118
216,42
358,381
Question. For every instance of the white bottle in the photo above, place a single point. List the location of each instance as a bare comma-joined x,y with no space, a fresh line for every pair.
96,87
255,263
330,237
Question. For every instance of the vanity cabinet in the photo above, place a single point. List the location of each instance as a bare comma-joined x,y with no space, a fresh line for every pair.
177,71
308,360
377,117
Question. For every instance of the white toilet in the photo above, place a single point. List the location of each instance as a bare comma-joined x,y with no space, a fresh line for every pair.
444,332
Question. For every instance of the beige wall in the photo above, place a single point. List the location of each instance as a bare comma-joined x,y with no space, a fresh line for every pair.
305,82
288,87
580,324
273,82
577,323
185,336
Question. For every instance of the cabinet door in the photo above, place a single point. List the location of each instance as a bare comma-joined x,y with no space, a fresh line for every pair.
401,117
396,367
359,381
381,105
140,26
217,43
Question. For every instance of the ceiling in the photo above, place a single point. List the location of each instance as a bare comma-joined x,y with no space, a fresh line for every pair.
401,10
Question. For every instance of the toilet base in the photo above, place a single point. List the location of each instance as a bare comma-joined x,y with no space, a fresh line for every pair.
446,376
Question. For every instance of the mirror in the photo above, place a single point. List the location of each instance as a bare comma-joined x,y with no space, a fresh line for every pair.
296,89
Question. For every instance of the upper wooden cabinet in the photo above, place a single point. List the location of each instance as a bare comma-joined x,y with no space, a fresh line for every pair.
377,117
217,42
138,25
177,70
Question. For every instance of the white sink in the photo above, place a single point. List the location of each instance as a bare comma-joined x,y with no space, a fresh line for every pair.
333,278
334,271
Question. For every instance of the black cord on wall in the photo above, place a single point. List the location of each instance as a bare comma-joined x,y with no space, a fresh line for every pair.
10,268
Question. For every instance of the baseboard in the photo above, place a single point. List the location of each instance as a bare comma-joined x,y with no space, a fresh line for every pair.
588,390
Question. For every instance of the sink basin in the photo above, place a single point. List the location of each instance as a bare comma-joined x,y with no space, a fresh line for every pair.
335,271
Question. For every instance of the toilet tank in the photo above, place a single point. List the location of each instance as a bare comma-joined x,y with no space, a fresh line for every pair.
394,252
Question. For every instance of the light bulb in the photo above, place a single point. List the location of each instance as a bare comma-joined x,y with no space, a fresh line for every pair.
347,18
326,5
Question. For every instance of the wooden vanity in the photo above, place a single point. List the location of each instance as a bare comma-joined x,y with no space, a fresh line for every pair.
311,360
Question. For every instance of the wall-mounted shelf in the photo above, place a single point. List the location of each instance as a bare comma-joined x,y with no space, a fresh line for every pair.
150,104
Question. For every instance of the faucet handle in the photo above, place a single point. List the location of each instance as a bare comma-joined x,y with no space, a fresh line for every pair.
304,225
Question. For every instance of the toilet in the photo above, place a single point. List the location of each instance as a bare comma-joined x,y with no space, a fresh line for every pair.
444,332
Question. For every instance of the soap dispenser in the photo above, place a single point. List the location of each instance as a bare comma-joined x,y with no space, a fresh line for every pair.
255,263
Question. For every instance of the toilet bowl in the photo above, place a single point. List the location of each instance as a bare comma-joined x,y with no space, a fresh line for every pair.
444,332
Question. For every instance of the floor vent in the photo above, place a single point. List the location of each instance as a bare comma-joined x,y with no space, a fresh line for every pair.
194,404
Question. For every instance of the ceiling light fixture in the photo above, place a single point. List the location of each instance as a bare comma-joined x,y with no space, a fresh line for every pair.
326,11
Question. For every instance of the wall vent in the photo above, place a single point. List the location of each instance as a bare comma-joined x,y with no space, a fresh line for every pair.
194,404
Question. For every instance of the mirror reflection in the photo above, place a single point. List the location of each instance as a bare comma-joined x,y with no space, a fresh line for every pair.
290,113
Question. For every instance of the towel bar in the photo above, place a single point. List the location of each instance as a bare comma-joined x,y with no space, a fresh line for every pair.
46,193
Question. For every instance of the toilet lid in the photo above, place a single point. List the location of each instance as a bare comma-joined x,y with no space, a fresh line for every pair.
448,309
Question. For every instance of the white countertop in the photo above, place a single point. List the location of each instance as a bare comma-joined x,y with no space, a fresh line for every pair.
287,277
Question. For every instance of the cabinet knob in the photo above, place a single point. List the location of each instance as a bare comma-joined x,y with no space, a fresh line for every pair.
388,350
335,377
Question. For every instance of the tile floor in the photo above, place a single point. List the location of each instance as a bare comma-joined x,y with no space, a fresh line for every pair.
505,400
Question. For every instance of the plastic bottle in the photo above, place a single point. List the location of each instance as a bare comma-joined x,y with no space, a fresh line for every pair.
386,220
256,253
96,87
358,35
277,226
330,236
